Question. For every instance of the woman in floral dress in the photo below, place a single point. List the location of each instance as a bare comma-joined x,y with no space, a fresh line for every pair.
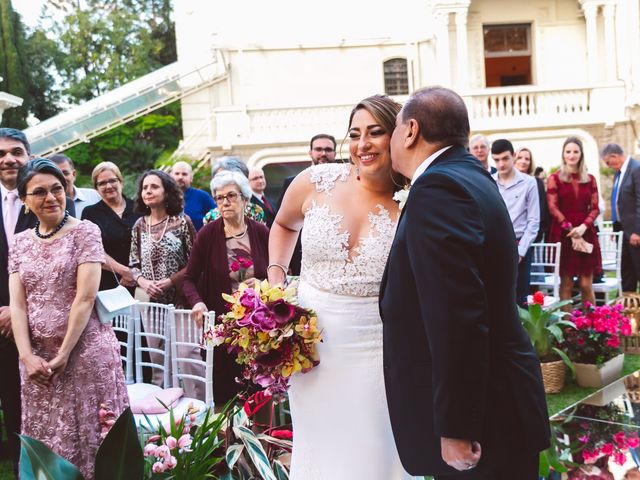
70,362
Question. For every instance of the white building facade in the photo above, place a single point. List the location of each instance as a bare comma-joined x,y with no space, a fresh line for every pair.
532,71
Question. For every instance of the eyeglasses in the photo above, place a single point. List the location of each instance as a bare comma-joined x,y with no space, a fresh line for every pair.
104,183
325,150
231,196
41,193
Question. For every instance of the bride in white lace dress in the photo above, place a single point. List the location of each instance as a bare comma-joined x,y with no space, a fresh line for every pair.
341,426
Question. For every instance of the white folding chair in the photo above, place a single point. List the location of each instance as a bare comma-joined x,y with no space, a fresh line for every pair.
124,325
611,251
188,368
545,270
606,226
153,323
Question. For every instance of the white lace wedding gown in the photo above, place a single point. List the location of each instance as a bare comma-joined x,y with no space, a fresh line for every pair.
341,426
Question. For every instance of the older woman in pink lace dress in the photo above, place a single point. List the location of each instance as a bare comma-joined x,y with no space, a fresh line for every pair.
70,362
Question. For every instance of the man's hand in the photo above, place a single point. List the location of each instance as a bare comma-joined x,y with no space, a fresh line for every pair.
460,454
5,322
634,240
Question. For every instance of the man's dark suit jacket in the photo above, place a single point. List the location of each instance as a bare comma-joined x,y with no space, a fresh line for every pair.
269,213
629,199
457,361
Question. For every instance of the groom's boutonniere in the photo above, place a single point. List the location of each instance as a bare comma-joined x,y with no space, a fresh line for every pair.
401,196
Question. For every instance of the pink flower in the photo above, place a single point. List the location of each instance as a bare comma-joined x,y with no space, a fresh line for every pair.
588,455
171,442
614,341
607,448
184,441
170,462
283,312
163,451
235,266
620,439
625,330
633,441
262,319
150,450
249,298
186,429
153,438
158,467
283,434
620,458
245,263
584,438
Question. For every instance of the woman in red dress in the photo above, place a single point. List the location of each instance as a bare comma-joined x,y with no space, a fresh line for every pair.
572,195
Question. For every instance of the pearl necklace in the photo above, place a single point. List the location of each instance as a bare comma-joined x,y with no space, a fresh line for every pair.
55,230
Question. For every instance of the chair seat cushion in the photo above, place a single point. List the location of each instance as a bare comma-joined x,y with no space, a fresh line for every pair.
606,284
153,402
153,422
136,391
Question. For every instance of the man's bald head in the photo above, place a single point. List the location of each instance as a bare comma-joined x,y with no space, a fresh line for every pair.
182,173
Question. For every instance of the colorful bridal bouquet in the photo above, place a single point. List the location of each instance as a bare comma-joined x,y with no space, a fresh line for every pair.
271,335
596,337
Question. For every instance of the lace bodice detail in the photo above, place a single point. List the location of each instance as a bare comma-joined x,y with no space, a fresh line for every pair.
327,262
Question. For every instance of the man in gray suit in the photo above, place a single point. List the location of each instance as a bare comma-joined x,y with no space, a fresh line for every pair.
625,210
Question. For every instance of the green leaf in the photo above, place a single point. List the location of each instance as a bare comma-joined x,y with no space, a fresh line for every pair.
566,360
543,464
556,331
233,453
38,461
120,456
256,452
280,470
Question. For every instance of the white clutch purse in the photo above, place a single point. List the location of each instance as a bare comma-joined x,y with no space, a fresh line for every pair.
113,302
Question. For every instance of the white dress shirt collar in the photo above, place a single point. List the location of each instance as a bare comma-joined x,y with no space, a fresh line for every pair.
424,165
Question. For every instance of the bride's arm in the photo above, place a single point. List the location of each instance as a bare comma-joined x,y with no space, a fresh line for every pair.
286,227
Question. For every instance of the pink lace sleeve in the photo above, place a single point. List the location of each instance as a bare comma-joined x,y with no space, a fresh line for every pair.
594,210
552,199
89,244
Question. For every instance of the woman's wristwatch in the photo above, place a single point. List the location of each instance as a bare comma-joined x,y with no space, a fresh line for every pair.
136,276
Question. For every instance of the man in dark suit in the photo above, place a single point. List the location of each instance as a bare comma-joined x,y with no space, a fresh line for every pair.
14,152
625,210
322,149
463,383
258,184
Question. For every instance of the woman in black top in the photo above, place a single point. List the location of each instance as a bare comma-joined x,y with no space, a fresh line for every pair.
115,216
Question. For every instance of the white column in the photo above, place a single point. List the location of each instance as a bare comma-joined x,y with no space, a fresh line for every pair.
633,50
608,12
462,49
590,15
442,46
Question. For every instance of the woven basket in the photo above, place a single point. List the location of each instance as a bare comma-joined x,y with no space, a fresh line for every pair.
553,374
631,303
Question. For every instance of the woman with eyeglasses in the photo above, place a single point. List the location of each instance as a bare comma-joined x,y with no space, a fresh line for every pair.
227,251
70,362
115,217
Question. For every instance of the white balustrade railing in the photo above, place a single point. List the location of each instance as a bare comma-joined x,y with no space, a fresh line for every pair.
504,108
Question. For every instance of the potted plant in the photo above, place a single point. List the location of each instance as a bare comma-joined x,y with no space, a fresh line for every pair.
544,326
595,345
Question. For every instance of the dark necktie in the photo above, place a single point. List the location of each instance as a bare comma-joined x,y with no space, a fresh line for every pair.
267,205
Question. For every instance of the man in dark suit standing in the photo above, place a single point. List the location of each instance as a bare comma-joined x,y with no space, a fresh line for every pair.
322,149
258,184
625,210
463,383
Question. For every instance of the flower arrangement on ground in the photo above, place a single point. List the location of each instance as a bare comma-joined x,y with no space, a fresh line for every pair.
271,335
544,326
596,338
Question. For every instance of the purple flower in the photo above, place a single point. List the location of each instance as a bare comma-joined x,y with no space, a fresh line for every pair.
283,312
262,319
249,298
264,380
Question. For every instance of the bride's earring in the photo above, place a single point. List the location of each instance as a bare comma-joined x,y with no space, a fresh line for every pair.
358,173
26,210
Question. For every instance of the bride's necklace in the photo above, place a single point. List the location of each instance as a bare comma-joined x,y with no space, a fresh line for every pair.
54,231
166,222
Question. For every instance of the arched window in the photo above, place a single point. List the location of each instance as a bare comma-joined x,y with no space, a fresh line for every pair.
396,78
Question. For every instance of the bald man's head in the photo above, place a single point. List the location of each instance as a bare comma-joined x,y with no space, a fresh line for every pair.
182,173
